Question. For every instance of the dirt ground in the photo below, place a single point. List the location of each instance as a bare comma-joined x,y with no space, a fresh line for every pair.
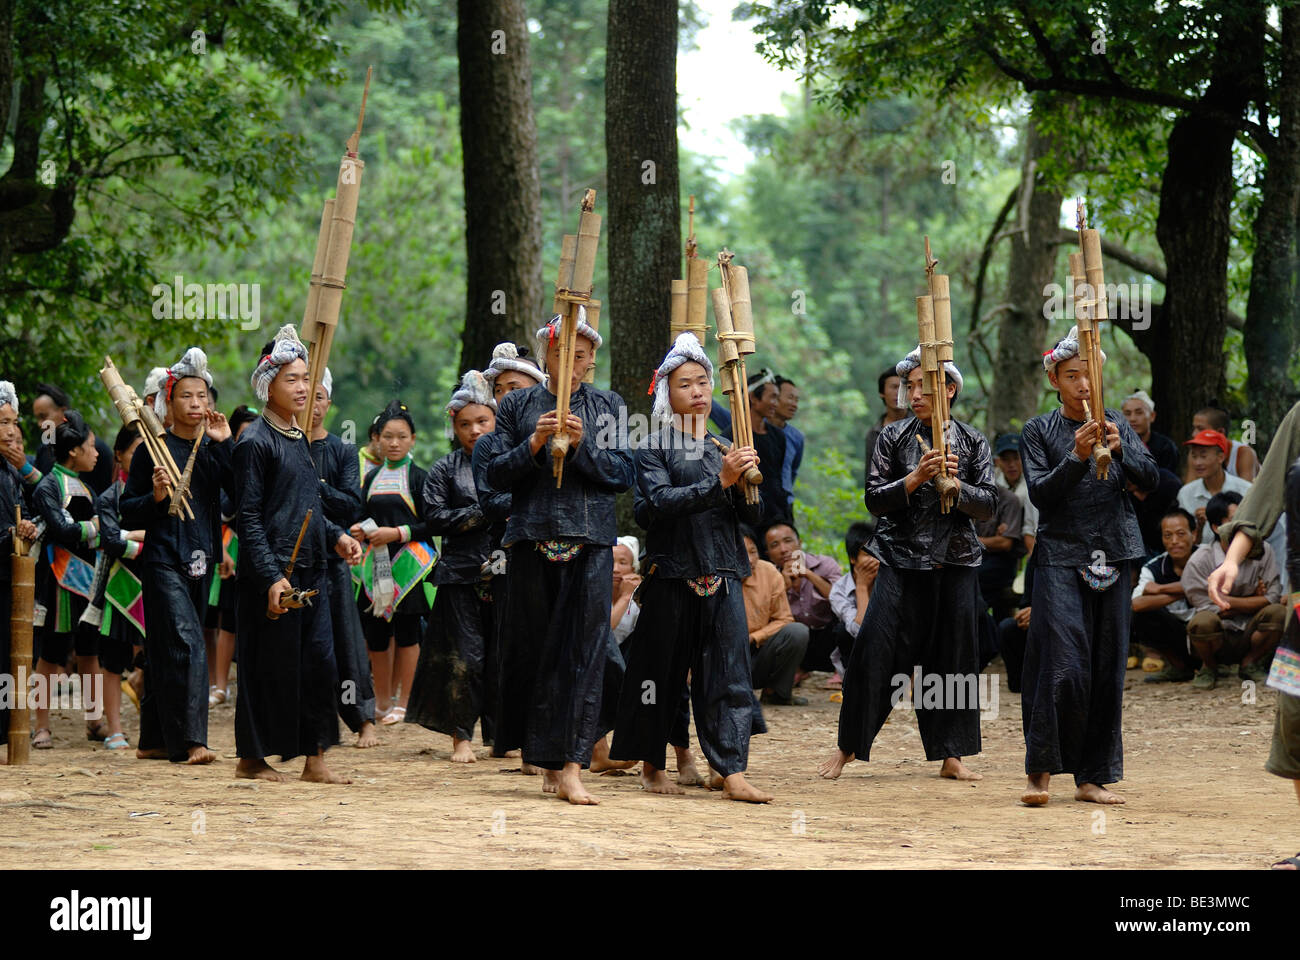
1198,797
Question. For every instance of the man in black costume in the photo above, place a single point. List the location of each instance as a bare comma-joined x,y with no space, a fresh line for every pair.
692,606
179,559
925,603
1088,545
561,567
287,674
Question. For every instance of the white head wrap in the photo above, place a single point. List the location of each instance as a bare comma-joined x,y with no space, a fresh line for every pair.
1144,397
153,383
327,383
8,395
505,356
631,542
193,364
1068,347
474,388
910,363
285,348
685,349
552,330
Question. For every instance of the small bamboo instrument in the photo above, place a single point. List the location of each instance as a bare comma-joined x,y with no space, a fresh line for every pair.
690,297
934,335
1090,313
734,330
182,490
295,597
22,605
140,417
573,287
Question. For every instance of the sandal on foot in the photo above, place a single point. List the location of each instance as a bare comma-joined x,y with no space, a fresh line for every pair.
41,739
116,741
1132,662
1152,664
395,715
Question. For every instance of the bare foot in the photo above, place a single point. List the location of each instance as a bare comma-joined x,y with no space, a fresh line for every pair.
462,751
715,781
688,774
568,786
600,761
548,779
833,766
157,753
257,770
1094,793
200,754
366,736
528,770
954,769
738,788
1036,794
315,771
655,780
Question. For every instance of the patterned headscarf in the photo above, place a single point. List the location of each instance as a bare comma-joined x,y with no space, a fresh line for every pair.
910,363
474,388
552,330
193,364
285,348
1065,348
505,356
685,349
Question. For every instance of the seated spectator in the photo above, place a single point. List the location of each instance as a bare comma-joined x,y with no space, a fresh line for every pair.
1248,632
1000,535
851,594
776,643
627,577
1011,476
808,581
1207,451
787,405
1150,509
887,384
1013,632
1241,460
1160,608
1140,412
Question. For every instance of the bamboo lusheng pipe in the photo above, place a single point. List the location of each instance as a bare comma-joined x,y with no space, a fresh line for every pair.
937,340
22,605
731,343
330,264
1089,308
934,387
571,297
695,307
140,417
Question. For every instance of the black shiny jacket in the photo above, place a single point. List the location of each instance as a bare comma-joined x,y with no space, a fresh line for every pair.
912,533
276,484
691,521
340,485
453,512
582,509
173,541
1079,515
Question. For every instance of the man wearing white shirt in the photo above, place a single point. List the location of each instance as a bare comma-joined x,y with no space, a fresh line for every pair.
1160,608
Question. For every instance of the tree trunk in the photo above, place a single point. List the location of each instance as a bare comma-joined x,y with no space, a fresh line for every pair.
1023,328
644,224
1270,333
1194,231
503,213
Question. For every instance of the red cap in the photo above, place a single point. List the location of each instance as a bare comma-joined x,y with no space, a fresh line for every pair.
1210,438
